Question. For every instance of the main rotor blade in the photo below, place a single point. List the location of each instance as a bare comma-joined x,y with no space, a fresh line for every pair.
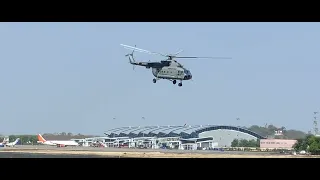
135,48
140,50
172,56
178,52
190,57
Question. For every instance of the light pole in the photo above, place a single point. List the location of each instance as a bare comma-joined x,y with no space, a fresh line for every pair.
113,119
315,123
143,119
238,119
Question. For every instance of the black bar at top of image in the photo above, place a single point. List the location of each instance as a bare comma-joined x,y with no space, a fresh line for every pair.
159,11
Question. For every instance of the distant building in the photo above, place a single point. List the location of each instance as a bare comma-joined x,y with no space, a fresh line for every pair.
277,143
222,135
278,132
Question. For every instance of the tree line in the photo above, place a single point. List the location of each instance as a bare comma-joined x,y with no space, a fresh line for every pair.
269,131
245,143
309,144
24,139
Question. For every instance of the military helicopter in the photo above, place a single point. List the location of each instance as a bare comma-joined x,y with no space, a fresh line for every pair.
168,69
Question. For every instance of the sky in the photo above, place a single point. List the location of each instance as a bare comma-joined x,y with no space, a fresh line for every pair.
74,77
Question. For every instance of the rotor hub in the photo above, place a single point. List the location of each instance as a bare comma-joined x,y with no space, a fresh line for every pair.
170,57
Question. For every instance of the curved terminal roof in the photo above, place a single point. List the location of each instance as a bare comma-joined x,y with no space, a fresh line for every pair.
173,131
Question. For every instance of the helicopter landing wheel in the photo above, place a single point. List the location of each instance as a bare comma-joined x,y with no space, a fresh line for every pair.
180,84
174,81
154,80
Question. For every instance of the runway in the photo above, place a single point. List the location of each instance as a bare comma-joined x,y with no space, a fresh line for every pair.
42,151
95,149
44,155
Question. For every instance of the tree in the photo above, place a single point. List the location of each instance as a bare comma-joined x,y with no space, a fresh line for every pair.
311,144
300,145
235,143
245,143
314,145
269,131
272,128
24,139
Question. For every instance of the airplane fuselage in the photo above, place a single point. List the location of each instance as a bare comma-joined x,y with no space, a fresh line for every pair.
65,143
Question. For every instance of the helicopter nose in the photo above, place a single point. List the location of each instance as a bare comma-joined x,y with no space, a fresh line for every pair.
188,77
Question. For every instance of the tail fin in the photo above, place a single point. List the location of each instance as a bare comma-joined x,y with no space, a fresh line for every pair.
5,140
40,138
16,141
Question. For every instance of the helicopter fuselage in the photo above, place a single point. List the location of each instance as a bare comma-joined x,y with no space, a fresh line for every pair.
171,70
172,73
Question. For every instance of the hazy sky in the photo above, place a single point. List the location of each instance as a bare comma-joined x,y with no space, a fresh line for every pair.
74,77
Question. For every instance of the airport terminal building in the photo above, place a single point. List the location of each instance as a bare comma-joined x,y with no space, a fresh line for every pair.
186,137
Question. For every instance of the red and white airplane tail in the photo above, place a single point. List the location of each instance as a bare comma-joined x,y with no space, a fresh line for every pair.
41,139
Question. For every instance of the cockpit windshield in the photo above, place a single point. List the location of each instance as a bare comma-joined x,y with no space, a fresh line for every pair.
186,71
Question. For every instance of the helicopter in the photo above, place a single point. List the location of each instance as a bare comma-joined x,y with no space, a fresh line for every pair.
168,69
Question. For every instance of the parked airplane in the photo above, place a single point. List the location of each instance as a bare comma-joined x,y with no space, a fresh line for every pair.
6,143
56,142
12,144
